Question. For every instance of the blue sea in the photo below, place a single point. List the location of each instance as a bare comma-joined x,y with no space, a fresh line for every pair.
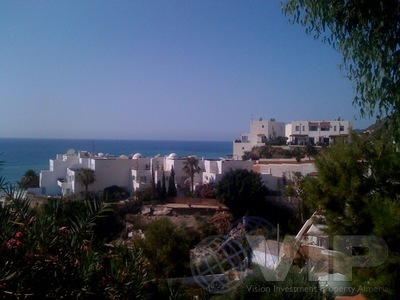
19,155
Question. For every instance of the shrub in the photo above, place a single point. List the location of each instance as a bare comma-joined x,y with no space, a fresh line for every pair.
44,256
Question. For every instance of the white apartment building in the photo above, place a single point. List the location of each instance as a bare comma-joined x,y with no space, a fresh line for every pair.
52,181
146,167
261,131
61,179
212,170
133,173
317,132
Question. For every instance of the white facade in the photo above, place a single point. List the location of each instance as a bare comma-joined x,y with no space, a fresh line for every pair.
61,178
48,180
276,172
214,170
136,172
317,132
261,131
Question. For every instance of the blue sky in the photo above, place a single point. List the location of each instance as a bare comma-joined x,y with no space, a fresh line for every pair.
148,69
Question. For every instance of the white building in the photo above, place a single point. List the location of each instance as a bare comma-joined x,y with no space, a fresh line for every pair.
61,179
133,173
317,132
212,170
261,131
215,169
275,173
146,167
53,180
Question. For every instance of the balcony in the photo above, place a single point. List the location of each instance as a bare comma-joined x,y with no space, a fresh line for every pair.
63,183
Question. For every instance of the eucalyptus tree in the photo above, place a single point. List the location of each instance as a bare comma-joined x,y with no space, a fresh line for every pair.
367,34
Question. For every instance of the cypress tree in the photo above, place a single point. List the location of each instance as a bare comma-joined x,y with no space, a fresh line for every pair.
172,192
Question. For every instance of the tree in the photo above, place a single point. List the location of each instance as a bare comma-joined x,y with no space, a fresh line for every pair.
163,187
367,34
241,191
35,243
310,151
191,167
158,189
169,255
357,189
29,180
171,184
86,177
115,193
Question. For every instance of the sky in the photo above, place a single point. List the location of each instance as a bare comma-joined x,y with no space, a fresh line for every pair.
162,70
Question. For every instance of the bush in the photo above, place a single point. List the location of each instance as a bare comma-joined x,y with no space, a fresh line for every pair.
115,193
44,256
166,247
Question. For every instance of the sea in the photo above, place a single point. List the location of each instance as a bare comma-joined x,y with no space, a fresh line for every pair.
21,154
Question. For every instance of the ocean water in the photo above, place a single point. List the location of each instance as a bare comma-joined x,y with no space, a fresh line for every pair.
20,155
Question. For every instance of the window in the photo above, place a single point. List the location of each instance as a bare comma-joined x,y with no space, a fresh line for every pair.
334,128
313,128
341,128
325,128
297,128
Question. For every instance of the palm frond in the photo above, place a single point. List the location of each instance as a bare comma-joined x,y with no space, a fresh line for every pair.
82,226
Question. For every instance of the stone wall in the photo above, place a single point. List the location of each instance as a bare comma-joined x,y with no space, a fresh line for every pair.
196,201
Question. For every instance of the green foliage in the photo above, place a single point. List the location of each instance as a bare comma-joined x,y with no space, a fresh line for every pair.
146,194
241,191
172,192
295,286
348,176
127,274
86,177
367,34
278,141
191,167
29,180
358,189
43,256
171,290
115,193
166,247
310,151
269,151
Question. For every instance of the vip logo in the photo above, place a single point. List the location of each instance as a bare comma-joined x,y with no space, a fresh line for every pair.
220,263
